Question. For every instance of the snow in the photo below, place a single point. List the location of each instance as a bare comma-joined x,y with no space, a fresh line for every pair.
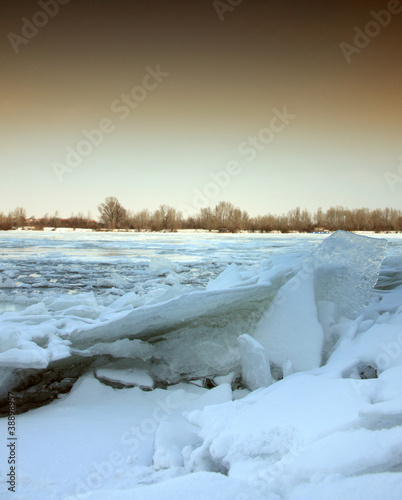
324,313
367,487
199,486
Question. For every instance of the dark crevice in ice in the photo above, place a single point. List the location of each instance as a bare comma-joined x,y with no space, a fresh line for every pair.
36,388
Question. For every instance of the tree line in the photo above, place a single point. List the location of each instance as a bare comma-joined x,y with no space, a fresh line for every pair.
224,216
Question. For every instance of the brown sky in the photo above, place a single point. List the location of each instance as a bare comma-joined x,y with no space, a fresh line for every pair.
225,78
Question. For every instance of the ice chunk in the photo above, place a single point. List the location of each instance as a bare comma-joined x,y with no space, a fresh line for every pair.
161,266
123,301
339,276
34,309
290,330
255,368
123,348
115,280
7,283
34,357
129,377
172,292
9,338
66,301
346,269
228,278
82,312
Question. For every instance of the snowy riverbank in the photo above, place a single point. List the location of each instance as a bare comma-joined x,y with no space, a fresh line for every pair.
322,314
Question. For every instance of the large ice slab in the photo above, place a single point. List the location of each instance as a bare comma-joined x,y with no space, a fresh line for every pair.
339,275
346,269
290,329
152,321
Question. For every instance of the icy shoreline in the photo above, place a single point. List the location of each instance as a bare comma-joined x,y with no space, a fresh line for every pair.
328,427
188,231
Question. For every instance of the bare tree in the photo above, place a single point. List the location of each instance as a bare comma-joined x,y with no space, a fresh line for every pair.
166,217
112,213
6,222
207,218
223,213
19,215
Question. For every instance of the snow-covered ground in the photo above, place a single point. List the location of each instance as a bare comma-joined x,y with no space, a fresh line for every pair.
299,340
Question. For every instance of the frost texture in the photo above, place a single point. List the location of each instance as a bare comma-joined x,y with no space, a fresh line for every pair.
346,269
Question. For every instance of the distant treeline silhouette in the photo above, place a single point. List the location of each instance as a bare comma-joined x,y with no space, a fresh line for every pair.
224,217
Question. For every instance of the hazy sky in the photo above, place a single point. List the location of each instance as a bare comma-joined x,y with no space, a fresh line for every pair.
181,91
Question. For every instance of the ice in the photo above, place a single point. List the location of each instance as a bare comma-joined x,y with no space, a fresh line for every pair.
65,302
230,277
290,329
156,319
335,282
330,429
29,356
162,266
115,280
345,263
197,330
123,348
254,361
115,375
7,283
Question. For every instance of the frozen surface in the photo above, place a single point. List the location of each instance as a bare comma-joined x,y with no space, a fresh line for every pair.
330,429
199,486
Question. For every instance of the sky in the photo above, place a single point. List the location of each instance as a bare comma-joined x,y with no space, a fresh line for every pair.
266,104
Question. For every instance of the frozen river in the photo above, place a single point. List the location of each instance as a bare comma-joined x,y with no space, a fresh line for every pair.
192,366
37,264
